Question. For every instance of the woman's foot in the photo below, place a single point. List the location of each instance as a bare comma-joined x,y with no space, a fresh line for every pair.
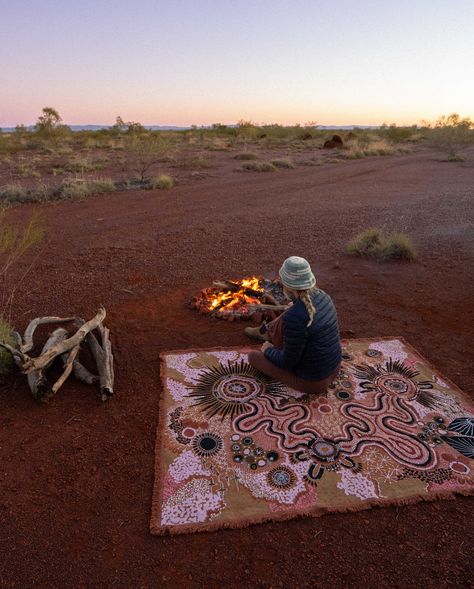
258,333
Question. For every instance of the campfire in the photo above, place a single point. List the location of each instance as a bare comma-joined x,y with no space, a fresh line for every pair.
246,298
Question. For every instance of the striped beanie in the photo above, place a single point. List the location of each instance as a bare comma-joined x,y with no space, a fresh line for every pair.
296,273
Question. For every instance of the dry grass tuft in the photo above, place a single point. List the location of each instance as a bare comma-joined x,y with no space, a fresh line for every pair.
79,187
246,155
259,167
283,163
163,182
371,243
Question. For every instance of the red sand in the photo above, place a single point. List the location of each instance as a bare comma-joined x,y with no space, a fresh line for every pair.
76,475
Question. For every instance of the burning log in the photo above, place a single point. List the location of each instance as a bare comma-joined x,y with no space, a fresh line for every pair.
240,299
62,344
234,287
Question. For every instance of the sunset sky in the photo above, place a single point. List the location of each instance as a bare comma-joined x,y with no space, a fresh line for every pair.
182,62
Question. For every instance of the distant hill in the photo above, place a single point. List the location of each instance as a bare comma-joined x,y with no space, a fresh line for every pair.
99,127
176,128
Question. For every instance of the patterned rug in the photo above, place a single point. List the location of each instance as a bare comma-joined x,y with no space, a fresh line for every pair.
236,447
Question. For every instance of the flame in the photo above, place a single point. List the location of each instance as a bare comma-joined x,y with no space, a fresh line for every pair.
227,300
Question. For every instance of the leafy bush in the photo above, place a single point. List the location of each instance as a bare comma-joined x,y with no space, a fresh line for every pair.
372,243
282,163
163,182
259,167
246,155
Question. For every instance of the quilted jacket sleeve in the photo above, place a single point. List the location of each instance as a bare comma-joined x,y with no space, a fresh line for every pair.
295,336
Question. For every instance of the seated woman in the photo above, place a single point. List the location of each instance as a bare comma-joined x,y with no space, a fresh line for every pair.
302,347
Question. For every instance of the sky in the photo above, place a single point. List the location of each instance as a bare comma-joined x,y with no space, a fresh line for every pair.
183,62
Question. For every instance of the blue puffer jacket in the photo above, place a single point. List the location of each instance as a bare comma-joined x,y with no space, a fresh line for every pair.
313,352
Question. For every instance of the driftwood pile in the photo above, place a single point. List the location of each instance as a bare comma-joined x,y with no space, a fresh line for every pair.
62,344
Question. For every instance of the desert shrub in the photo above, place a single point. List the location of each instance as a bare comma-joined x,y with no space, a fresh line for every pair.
282,163
372,243
146,150
13,193
396,134
246,155
259,167
83,164
163,182
199,162
80,187
456,158
6,360
450,133
359,148
26,169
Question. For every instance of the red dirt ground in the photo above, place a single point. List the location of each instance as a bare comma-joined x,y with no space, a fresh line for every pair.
76,475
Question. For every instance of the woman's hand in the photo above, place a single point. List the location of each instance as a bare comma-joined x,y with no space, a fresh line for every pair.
265,346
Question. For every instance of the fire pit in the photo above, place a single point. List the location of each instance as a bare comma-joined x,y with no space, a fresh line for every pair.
246,298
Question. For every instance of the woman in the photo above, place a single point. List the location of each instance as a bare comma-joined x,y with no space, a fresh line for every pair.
301,347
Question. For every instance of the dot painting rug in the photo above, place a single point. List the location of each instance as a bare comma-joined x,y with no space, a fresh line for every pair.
235,447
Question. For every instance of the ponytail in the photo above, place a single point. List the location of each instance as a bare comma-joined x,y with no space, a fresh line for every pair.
305,296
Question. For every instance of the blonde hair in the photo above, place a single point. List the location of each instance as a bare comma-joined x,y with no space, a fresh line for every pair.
305,296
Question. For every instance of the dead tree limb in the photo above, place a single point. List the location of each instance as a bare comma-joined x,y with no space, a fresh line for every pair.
27,344
39,385
68,366
82,374
64,346
104,360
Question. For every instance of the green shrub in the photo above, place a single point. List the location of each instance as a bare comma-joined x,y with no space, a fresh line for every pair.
259,167
163,182
372,243
6,360
451,133
282,163
246,155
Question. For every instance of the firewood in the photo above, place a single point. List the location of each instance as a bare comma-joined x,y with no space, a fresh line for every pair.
64,346
227,285
234,287
39,385
104,360
30,330
68,365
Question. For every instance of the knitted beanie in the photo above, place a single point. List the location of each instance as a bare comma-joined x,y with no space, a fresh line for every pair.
296,273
